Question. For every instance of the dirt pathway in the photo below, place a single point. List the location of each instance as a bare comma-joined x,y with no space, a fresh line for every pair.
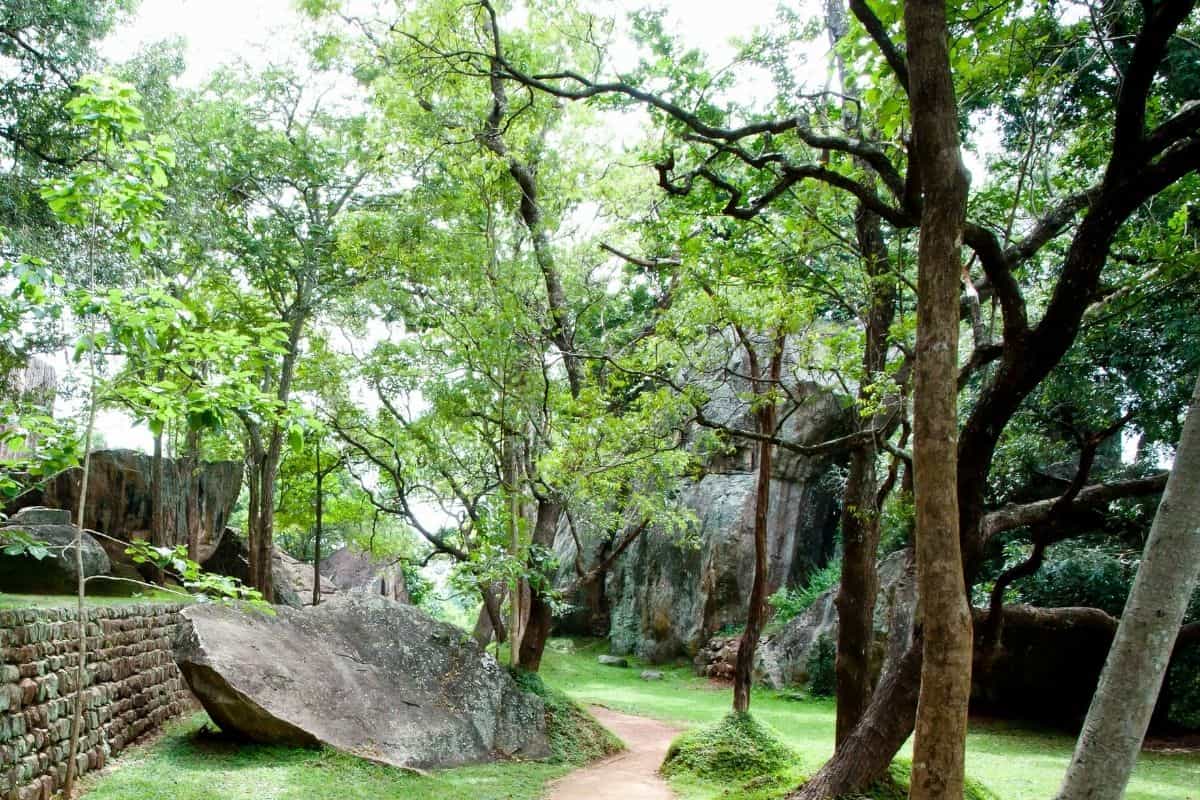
630,775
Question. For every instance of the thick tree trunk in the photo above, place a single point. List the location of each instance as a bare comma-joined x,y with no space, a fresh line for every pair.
1124,701
867,752
537,625
743,670
941,727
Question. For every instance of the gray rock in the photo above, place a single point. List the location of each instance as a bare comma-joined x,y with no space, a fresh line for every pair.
353,570
782,659
651,675
664,597
364,675
55,573
613,661
39,515
295,580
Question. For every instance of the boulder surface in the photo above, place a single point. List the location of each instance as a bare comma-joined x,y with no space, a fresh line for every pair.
364,675
55,573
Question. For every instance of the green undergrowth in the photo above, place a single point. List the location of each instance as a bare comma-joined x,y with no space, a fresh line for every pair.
736,748
895,786
576,738
111,597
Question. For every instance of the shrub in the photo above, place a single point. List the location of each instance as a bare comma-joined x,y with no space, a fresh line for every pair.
737,748
822,667
790,603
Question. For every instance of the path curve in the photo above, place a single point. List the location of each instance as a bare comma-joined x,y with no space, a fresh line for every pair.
629,775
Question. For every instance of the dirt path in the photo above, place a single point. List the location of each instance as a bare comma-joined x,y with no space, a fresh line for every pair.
631,775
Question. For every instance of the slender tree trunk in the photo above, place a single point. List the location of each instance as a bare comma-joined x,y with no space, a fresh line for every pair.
157,517
316,594
191,463
491,622
743,670
941,727
537,627
1129,685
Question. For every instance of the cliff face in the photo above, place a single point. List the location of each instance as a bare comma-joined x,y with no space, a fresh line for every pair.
197,497
664,597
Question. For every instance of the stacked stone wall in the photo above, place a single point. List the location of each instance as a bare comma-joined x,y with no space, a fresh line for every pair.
131,686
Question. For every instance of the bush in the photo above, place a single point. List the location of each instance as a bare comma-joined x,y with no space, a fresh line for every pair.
790,603
1183,683
822,667
1081,575
575,736
737,748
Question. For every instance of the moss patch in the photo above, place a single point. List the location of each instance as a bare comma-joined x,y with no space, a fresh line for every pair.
895,786
735,749
575,736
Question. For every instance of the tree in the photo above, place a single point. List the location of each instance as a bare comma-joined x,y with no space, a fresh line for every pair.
1133,674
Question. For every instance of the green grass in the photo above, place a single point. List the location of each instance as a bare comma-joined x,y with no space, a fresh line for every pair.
187,764
1015,761
94,598
737,748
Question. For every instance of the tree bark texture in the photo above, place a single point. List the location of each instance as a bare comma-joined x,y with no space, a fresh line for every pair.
1133,674
320,476
537,625
941,726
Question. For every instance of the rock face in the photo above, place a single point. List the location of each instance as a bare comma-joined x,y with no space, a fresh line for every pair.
292,579
782,659
353,570
665,598
299,577
197,497
363,674
56,573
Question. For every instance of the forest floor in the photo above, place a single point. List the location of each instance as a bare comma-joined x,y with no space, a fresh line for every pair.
1016,761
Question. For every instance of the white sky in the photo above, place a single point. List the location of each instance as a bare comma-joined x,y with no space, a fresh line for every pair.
260,32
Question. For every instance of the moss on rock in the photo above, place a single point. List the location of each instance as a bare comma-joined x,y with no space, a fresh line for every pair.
737,748
575,735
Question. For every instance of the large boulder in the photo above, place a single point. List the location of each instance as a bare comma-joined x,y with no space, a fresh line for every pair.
57,572
665,597
298,577
354,570
198,497
782,659
364,675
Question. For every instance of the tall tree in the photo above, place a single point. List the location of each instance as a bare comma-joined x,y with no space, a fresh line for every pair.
1133,674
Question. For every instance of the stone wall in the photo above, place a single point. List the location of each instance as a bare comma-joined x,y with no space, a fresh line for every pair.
132,687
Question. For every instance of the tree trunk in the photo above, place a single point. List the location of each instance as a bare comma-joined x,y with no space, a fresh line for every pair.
537,626
316,595
941,727
491,622
157,522
191,462
1133,674
743,671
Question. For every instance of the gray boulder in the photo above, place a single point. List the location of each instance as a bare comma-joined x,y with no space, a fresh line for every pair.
364,675
294,581
55,573
782,659
612,661
354,570
651,675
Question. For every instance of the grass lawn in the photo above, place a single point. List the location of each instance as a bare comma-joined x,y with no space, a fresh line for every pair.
1015,762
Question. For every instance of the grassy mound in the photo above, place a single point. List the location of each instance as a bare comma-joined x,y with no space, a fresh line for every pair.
895,786
575,736
735,749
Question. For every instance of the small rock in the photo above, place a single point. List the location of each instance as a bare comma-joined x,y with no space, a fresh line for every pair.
651,675
613,661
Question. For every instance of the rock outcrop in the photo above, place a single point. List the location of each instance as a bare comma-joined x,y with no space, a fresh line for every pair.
782,658
353,570
56,573
299,578
362,674
664,597
197,497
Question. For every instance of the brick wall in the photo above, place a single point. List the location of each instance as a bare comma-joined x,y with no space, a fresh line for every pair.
132,687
